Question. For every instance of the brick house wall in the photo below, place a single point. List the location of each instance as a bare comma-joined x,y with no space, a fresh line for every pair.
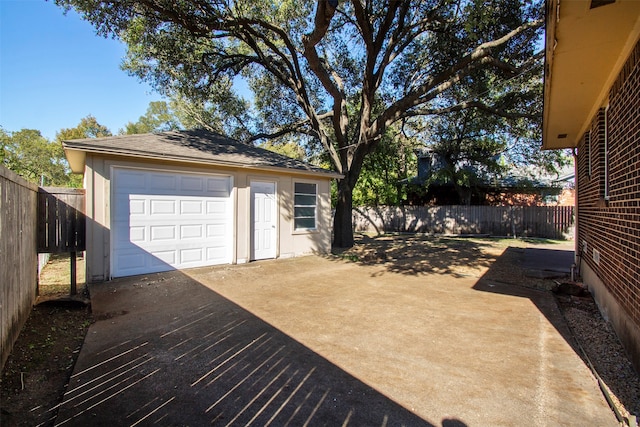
608,186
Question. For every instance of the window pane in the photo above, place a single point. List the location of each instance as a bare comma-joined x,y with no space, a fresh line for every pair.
305,212
301,200
302,187
305,223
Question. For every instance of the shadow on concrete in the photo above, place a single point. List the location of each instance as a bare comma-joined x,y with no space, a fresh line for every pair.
530,260
410,254
543,264
167,350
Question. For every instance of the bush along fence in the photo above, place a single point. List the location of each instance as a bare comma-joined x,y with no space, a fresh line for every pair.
551,222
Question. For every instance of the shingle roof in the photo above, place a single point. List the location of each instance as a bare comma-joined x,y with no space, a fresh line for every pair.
194,146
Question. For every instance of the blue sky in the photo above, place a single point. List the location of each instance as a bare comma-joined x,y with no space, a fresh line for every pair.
54,70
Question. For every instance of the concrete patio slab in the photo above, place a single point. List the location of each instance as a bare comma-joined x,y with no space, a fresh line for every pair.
320,341
547,263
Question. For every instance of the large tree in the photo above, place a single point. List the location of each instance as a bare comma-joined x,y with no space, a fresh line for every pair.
158,118
474,145
87,128
338,73
34,157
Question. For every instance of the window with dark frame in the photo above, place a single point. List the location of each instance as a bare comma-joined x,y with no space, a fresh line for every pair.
304,209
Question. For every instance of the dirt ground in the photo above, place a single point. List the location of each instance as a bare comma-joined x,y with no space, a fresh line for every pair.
37,372
38,369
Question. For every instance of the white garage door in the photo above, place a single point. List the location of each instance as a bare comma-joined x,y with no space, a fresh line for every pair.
163,221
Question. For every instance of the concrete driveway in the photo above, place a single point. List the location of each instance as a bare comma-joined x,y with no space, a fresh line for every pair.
320,341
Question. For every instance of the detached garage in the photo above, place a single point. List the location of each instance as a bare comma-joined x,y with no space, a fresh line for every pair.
174,200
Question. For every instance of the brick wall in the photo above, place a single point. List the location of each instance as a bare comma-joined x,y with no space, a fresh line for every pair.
609,221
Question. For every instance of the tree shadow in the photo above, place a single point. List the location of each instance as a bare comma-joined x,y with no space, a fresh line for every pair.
508,273
413,254
167,350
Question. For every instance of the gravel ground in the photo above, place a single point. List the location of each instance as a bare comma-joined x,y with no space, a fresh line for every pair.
604,352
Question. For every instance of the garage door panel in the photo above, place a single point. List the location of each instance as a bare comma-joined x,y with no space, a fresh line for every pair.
218,186
187,223
162,207
216,253
137,207
163,183
163,232
136,235
191,231
130,260
188,256
216,207
191,207
162,258
215,230
192,184
132,180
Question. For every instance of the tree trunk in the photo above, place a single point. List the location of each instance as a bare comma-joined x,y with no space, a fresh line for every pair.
343,220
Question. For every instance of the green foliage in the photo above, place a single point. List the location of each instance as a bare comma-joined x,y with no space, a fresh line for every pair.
289,148
158,118
338,79
383,170
41,161
87,128
227,117
32,156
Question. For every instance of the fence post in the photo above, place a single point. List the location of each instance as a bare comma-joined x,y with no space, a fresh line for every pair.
73,290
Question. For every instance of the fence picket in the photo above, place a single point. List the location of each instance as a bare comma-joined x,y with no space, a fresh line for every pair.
63,219
18,256
553,222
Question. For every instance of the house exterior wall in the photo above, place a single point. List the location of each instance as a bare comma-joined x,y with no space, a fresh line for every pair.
608,186
97,182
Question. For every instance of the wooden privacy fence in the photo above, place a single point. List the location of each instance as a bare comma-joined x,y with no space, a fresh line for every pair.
551,222
62,224
32,220
18,255
61,220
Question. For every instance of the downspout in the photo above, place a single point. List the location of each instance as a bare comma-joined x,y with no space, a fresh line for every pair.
606,154
577,246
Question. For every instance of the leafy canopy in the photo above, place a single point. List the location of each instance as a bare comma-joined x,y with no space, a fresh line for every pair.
41,161
32,156
339,75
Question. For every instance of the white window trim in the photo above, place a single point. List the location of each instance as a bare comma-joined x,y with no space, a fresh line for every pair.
315,216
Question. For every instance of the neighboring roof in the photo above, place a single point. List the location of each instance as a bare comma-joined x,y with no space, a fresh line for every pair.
191,146
587,43
509,182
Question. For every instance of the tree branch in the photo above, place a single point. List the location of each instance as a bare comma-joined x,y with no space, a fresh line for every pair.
444,80
294,127
467,105
324,14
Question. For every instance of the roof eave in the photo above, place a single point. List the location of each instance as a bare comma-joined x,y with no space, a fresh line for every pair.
76,156
585,50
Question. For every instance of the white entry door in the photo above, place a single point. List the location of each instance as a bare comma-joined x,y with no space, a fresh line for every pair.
169,220
263,220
